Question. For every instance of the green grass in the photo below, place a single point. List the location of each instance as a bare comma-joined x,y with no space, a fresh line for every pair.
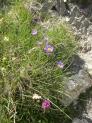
26,69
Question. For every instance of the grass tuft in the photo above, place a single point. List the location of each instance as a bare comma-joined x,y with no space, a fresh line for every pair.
26,69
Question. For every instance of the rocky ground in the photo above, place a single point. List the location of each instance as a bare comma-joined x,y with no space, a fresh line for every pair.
81,23
82,26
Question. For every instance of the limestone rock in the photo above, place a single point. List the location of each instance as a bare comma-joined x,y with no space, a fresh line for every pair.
82,27
61,7
76,120
89,30
76,85
88,113
87,57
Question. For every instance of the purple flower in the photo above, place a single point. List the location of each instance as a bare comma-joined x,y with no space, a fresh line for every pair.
46,104
34,32
48,49
60,64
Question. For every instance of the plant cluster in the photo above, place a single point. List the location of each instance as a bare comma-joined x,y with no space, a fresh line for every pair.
34,60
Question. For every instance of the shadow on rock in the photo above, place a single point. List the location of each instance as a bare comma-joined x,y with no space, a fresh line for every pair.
77,64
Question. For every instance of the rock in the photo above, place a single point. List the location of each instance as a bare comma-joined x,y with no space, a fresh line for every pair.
89,30
86,47
87,57
82,18
88,108
75,12
76,85
82,27
48,5
61,7
89,39
76,120
85,23
76,23
72,17
83,3
80,81
45,6
34,6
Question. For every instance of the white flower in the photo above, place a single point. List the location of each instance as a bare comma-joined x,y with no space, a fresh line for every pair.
6,38
13,58
1,20
3,69
4,58
36,96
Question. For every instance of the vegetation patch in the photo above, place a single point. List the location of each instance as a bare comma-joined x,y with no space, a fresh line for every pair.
34,60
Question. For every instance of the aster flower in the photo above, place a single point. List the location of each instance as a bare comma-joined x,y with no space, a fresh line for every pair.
34,32
46,104
60,64
48,49
36,97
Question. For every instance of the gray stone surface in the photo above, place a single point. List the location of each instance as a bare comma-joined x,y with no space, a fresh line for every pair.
75,85
61,7
47,5
89,30
76,120
82,26
88,108
81,22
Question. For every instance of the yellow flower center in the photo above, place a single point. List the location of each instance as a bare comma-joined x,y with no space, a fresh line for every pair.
50,49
